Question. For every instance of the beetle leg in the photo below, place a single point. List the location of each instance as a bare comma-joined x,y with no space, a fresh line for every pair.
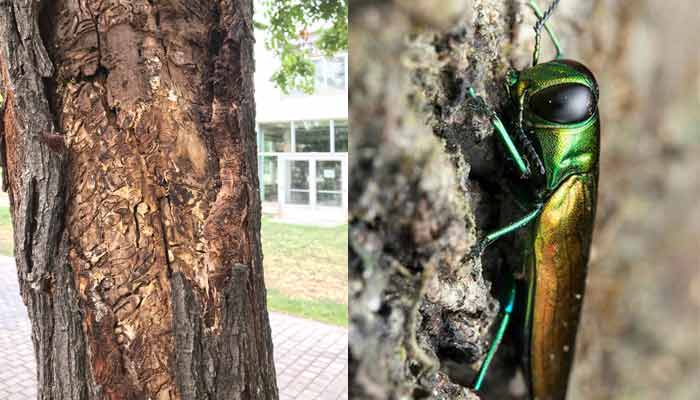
507,311
493,236
481,105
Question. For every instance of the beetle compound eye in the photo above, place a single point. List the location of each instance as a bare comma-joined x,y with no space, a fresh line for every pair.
564,104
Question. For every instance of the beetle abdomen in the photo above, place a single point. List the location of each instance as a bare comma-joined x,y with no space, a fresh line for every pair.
561,247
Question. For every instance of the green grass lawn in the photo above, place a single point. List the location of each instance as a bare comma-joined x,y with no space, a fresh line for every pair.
6,248
319,310
305,268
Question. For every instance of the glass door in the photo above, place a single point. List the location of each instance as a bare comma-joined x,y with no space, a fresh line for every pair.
268,178
329,183
298,182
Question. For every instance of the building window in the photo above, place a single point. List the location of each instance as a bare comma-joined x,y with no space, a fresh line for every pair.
340,134
269,178
312,136
330,74
276,138
329,183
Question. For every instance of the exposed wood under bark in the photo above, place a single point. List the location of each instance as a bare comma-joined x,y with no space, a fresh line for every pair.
132,174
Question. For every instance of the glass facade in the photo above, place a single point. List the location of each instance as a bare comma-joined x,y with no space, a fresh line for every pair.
313,136
330,74
303,163
304,137
277,138
341,136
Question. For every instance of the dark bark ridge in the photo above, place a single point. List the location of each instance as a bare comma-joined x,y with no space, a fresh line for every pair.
154,288
35,177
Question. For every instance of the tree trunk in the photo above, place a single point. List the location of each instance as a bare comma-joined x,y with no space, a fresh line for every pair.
419,304
130,160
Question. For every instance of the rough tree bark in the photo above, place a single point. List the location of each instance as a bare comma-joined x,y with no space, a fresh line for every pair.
425,185
129,157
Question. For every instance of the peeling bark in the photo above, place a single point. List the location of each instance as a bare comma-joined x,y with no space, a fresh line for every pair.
132,176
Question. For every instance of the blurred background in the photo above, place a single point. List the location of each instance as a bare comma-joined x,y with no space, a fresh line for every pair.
640,332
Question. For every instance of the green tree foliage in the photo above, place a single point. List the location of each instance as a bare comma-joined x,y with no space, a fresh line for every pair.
297,28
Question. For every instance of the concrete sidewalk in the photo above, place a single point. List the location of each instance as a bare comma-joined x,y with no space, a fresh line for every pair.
311,358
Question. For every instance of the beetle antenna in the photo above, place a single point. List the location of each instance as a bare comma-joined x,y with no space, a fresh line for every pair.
531,154
542,22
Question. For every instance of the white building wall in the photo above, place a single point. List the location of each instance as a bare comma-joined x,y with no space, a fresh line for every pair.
272,105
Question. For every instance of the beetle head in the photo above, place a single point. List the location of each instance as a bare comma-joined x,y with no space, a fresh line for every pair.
560,115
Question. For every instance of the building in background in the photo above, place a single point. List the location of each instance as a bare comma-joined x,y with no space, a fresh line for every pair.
303,142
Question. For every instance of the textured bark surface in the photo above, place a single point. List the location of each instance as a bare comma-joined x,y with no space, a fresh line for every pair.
131,170
425,181
420,308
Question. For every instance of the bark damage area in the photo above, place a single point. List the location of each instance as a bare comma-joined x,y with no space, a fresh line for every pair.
150,118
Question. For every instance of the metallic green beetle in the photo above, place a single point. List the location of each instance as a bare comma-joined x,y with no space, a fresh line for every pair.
557,134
